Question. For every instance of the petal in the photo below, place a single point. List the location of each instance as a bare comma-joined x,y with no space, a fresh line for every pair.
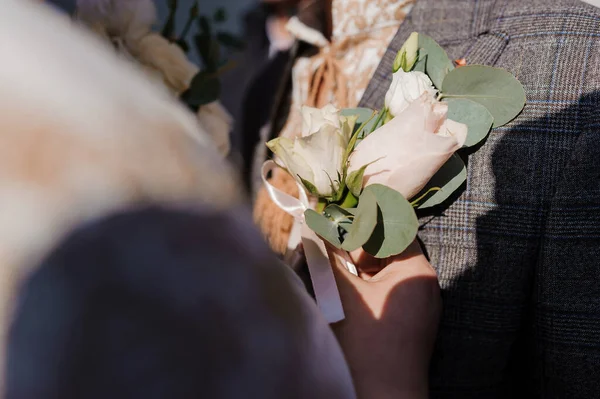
406,152
314,118
285,149
454,129
437,115
324,151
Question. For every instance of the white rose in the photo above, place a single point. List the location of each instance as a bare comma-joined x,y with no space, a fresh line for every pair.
315,159
313,119
407,87
406,152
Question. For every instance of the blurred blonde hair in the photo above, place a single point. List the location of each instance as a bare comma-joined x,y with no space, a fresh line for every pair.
82,134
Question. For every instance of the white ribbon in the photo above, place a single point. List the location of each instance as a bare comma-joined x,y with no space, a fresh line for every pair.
321,274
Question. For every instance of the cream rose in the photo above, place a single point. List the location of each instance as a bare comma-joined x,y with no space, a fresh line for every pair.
406,152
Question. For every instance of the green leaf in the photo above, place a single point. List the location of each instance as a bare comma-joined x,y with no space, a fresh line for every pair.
494,88
416,202
450,177
349,125
421,61
364,223
397,223
362,122
339,216
382,116
437,63
354,181
203,89
323,227
231,41
309,186
477,118
220,15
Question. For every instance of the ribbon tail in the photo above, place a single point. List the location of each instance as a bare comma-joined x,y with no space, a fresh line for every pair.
319,267
321,274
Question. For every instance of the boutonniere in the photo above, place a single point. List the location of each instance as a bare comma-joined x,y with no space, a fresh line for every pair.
365,172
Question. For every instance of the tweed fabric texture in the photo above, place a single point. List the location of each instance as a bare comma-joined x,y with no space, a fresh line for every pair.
518,254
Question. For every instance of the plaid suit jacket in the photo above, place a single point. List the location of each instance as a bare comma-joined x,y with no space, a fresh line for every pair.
518,254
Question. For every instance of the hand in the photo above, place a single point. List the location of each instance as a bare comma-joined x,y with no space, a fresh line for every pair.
392,315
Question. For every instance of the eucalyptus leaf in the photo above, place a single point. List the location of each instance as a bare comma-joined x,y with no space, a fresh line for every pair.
449,179
437,63
494,88
397,223
421,61
339,216
363,114
324,227
364,223
477,118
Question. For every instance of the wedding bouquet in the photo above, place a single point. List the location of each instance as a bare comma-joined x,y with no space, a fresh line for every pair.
362,173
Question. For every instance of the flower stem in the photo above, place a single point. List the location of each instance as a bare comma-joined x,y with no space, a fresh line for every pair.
321,205
350,201
379,118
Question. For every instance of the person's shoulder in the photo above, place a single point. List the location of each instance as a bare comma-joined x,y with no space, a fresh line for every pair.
549,18
565,9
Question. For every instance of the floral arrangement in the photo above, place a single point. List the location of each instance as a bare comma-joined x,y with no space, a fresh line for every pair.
128,25
363,173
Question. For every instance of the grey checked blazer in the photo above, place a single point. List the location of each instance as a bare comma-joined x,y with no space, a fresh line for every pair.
518,254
